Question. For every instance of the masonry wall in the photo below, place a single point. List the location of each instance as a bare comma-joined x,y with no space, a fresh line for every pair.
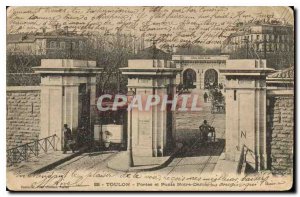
280,134
22,115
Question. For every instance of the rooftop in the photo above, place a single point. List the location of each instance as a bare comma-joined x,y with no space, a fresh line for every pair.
283,74
29,38
152,53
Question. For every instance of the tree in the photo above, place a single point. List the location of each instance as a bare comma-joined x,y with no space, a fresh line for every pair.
111,53
191,49
19,69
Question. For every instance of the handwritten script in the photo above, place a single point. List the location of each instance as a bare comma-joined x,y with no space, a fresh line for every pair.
167,25
107,180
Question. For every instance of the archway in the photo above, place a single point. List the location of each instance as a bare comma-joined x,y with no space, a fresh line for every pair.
189,77
210,79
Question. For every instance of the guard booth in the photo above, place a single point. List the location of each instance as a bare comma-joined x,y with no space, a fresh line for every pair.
68,90
110,131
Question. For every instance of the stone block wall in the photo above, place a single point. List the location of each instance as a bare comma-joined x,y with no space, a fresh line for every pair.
22,115
280,134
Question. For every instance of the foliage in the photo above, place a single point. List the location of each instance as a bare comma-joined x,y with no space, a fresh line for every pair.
197,50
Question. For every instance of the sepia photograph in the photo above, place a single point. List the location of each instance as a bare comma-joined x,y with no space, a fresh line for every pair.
150,98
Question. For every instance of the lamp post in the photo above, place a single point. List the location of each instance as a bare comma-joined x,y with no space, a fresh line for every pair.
130,94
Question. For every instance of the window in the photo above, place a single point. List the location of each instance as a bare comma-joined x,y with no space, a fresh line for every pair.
234,95
271,47
52,44
257,47
257,37
73,45
81,45
62,45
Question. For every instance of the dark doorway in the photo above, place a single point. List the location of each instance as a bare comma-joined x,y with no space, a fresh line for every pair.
189,77
84,112
210,79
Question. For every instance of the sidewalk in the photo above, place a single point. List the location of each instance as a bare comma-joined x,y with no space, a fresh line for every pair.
228,166
42,162
120,162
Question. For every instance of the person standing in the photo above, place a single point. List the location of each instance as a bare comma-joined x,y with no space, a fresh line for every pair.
205,128
205,97
67,139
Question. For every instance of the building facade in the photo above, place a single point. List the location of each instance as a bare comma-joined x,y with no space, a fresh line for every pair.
54,44
270,40
200,71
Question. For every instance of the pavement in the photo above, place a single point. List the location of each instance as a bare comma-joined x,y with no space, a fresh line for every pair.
228,166
197,157
87,162
121,162
36,164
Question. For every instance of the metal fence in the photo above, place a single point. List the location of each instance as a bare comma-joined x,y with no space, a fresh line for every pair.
29,150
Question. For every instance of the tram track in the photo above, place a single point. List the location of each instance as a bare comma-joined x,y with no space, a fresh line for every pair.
85,156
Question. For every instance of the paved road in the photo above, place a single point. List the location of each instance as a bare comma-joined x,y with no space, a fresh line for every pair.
197,157
87,161
187,123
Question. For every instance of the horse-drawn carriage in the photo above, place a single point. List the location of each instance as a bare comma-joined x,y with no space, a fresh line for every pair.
217,107
217,101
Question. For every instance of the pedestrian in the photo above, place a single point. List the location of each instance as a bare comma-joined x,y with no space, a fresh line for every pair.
205,97
221,86
220,97
67,139
205,129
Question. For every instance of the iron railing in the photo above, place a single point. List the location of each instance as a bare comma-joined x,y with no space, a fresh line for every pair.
31,149
244,153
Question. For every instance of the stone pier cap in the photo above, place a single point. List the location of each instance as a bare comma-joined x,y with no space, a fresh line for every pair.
246,67
67,66
150,67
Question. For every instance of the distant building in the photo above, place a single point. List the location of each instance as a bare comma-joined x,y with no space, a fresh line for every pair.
270,40
59,43
200,71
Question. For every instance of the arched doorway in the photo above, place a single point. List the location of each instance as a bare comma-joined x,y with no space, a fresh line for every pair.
189,77
210,79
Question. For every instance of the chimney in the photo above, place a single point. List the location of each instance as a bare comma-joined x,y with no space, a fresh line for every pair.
66,30
44,30
56,27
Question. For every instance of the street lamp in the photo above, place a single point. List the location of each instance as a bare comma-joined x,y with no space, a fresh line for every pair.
130,94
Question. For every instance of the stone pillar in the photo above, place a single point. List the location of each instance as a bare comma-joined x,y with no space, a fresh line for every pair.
246,110
60,81
150,129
